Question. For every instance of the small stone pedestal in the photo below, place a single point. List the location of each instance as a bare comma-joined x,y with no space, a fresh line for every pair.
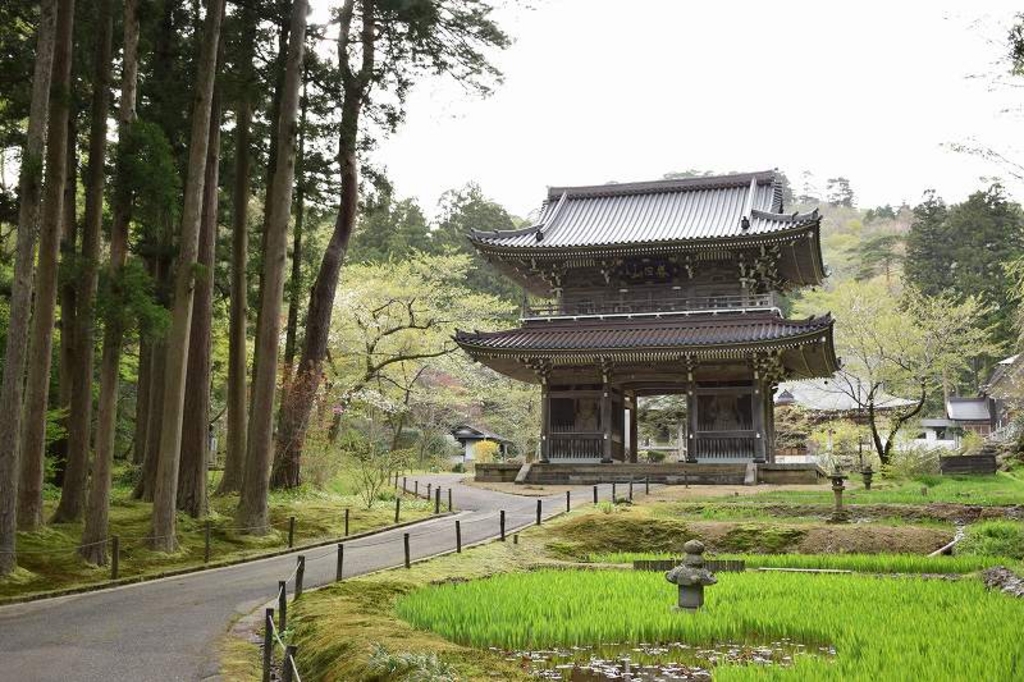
691,577
839,515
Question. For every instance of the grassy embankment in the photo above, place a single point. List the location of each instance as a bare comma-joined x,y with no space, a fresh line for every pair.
354,630
1003,488
47,559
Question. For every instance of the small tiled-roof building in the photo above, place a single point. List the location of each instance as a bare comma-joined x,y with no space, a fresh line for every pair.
654,288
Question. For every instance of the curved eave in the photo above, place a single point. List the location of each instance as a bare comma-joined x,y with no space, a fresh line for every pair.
811,273
518,362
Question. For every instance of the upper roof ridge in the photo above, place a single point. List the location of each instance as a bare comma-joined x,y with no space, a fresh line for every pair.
658,186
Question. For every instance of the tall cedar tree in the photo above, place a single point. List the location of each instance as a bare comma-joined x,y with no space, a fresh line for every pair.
168,458
73,497
30,186
37,384
94,546
398,41
234,460
192,497
963,251
252,508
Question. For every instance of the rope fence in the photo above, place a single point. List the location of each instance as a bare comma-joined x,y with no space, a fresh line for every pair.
116,542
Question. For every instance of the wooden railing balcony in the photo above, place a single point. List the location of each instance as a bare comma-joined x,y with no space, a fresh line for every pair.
575,447
711,446
647,306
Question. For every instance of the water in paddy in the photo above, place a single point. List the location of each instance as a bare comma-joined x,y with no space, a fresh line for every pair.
653,662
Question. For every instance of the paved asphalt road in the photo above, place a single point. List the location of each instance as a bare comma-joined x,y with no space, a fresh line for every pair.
166,629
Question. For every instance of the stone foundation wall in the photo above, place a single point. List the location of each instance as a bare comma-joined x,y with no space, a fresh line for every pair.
496,472
780,474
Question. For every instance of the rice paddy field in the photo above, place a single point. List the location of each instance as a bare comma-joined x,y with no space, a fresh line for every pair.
880,628
860,563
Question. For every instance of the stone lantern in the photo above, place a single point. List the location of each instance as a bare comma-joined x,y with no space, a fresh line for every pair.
691,576
867,475
838,486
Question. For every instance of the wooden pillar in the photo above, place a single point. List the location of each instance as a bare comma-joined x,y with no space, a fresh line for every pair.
758,413
633,436
691,417
769,406
606,420
545,420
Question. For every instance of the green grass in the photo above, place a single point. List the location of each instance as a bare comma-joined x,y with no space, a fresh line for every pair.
860,563
47,558
994,538
1000,489
881,628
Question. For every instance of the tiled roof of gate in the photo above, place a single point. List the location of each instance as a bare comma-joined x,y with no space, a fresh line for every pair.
686,332
719,207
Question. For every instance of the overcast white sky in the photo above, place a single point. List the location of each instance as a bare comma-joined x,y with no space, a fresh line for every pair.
598,90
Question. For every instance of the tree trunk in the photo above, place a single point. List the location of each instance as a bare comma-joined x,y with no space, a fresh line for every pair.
157,364
30,184
234,460
252,509
295,281
37,383
57,449
80,417
299,401
192,497
166,488
94,535
274,116
141,391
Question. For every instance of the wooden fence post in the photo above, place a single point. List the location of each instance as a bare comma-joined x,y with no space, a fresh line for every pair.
206,543
405,485
408,561
115,556
595,494
647,485
429,486
568,502
291,532
398,507
539,508
416,488
341,562
289,663
268,643
300,574
282,605
347,510
631,489
449,499
502,523
437,500
613,492
458,536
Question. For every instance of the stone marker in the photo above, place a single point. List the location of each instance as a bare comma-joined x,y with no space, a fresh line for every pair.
691,576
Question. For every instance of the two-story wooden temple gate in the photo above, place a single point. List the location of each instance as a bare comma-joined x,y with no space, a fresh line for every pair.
657,288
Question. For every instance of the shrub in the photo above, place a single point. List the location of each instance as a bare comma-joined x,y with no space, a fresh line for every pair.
414,667
485,451
912,461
